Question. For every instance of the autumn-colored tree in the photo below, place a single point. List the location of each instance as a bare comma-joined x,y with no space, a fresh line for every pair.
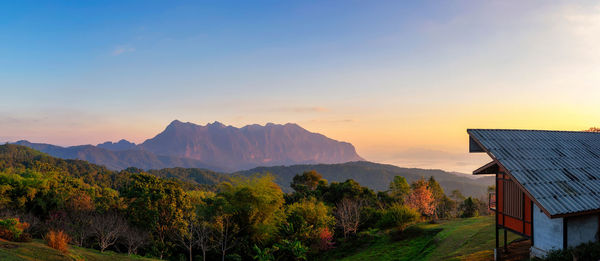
421,198
58,240
593,129
325,239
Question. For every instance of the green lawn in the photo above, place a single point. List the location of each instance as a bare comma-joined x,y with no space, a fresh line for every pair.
458,239
37,250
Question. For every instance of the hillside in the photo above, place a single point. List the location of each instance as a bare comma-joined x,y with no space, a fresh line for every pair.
37,250
115,159
377,176
458,239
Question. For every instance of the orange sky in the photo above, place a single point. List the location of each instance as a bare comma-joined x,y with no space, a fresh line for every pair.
402,88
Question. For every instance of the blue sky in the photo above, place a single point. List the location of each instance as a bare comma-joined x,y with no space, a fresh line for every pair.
400,80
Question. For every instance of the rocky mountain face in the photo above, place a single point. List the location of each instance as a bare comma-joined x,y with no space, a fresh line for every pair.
254,145
213,146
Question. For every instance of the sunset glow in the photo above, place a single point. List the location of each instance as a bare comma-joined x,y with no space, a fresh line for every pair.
402,82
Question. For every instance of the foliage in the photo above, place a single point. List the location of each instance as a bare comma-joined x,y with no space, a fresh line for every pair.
58,240
325,239
12,229
309,215
308,181
398,216
157,205
399,188
469,208
241,218
421,198
291,250
257,203
585,251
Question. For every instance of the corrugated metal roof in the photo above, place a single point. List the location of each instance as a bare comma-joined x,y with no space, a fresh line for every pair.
560,169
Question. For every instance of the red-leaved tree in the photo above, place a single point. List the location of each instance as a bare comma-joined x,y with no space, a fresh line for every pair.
421,198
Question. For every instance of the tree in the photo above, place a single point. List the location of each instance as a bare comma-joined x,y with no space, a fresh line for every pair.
337,191
157,205
593,129
78,226
257,207
308,181
187,237
347,213
204,237
399,188
421,198
457,196
107,228
308,215
469,208
225,232
134,239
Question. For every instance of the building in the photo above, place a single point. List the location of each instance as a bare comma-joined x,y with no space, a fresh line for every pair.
547,184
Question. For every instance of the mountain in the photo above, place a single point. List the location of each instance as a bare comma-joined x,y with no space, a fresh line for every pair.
121,145
232,148
377,176
115,160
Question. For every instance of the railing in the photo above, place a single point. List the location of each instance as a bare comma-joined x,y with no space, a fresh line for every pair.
492,200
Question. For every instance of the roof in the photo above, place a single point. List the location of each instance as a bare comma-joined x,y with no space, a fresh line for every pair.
560,170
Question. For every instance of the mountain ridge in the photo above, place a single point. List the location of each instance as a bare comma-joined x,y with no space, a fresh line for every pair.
249,146
214,146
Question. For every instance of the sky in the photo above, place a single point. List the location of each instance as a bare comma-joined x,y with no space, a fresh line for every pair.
401,80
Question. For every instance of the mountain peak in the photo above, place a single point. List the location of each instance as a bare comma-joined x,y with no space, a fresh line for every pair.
232,148
117,146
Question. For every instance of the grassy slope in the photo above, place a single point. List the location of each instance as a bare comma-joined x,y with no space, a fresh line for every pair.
37,250
460,239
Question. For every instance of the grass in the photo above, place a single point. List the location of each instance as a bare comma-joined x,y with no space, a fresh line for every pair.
459,239
38,250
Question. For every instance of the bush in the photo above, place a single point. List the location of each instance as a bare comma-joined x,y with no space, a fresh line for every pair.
398,216
58,240
12,229
587,251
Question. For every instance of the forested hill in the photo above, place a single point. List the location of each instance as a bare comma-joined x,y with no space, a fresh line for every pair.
376,176
373,175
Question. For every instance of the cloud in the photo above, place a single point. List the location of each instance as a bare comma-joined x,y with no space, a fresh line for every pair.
122,49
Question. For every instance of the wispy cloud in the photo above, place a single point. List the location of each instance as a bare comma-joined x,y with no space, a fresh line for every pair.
122,49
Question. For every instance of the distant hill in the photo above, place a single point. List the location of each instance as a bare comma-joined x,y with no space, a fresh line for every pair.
117,146
115,160
213,146
373,175
377,176
230,148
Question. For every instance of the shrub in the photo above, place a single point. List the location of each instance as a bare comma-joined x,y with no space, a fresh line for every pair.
325,239
398,216
12,229
58,240
586,251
